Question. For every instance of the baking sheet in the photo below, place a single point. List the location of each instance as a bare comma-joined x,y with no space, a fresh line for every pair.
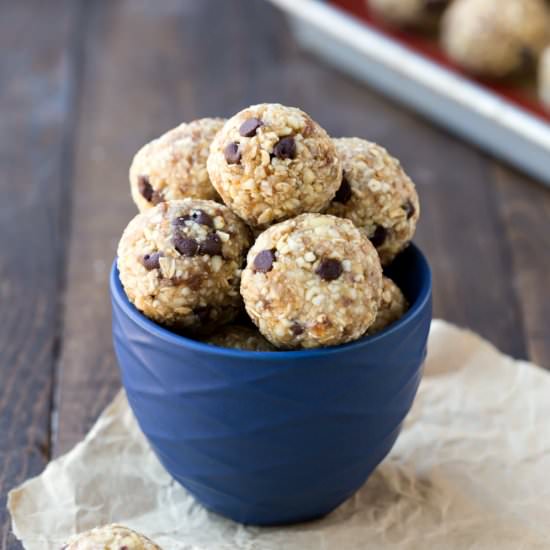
505,128
520,91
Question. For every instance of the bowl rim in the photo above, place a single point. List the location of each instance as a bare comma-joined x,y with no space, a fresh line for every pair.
119,296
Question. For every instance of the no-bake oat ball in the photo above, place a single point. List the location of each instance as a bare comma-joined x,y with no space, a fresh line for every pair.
110,537
496,38
544,77
376,195
312,281
174,165
409,13
271,162
240,337
393,305
180,263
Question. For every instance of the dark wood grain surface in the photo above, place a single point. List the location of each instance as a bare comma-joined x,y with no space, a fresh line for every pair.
84,84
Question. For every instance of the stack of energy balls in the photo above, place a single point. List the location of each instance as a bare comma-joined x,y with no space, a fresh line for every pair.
110,537
266,211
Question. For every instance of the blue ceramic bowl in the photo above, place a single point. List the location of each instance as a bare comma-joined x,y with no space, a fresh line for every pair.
271,438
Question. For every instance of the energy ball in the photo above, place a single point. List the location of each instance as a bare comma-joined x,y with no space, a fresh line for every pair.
271,162
240,337
496,38
312,281
376,195
180,264
409,13
174,165
544,77
110,537
392,307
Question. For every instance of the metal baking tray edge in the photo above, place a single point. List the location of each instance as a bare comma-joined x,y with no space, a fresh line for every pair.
457,103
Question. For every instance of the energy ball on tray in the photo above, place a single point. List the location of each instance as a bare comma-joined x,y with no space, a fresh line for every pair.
240,337
496,38
409,13
312,281
376,195
544,77
271,162
392,307
110,537
174,165
180,264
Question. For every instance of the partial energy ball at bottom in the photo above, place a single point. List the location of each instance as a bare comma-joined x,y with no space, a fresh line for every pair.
312,281
110,537
180,264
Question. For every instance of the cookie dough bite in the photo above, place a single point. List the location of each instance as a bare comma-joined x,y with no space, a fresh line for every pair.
110,537
496,38
393,305
423,14
271,162
544,77
312,281
376,195
174,165
240,337
180,264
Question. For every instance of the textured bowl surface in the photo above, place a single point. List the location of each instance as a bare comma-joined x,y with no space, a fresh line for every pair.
274,437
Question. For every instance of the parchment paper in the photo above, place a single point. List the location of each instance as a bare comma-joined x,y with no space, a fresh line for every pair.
471,470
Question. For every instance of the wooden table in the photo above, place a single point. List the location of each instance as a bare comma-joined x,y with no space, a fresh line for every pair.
84,84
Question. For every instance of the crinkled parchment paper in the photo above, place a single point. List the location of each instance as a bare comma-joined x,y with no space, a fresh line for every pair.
471,470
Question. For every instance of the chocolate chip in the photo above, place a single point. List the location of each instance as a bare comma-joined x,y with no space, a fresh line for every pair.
435,6
157,197
197,216
145,188
186,246
151,261
202,218
203,313
249,127
211,246
528,59
232,153
329,269
296,329
123,548
409,209
285,148
343,195
263,262
379,236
